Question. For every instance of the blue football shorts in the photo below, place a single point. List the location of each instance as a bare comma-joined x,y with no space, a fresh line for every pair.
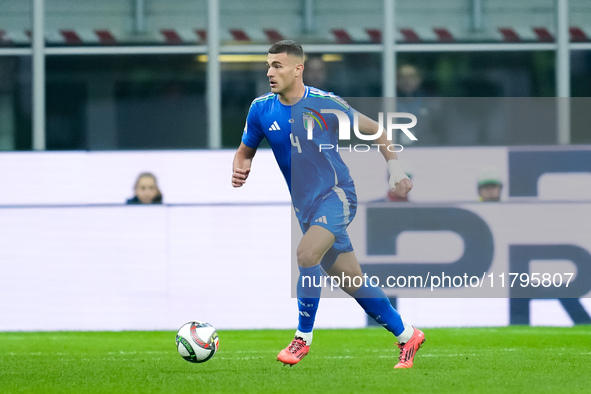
334,212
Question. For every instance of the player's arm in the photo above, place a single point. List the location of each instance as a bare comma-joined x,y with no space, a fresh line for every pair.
241,165
400,183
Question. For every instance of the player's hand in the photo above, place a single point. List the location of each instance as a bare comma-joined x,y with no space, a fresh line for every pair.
402,188
400,183
239,176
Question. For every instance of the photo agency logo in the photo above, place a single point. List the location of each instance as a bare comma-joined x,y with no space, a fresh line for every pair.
344,132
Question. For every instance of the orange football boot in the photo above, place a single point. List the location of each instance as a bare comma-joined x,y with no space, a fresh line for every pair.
293,353
409,349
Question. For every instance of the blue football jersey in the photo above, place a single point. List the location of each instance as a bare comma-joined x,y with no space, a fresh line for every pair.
310,172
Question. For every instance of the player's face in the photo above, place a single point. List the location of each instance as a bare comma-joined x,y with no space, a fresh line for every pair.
146,189
282,71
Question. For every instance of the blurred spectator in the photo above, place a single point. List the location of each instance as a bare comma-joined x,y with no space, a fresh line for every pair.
146,190
489,185
409,81
412,98
316,72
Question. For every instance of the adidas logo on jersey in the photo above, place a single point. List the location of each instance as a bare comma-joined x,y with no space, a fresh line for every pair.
321,219
274,126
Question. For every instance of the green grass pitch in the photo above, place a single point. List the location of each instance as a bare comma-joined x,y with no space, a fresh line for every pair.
508,359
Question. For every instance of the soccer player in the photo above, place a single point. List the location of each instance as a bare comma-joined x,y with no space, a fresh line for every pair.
322,192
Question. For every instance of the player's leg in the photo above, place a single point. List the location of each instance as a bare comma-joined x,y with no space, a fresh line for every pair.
330,219
314,244
372,299
375,303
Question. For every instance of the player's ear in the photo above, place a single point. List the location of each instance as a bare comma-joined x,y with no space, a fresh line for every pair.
299,69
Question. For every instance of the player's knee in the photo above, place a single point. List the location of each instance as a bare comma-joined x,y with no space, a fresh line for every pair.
307,258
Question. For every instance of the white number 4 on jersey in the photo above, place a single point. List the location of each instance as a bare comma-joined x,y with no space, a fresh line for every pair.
295,141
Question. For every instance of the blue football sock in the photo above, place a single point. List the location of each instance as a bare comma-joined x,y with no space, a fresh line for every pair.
377,305
308,293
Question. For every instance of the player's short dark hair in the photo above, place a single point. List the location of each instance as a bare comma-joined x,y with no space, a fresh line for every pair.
287,46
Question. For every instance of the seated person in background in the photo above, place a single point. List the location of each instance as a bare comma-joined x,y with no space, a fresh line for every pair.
489,185
146,190
316,72
409,81
413,98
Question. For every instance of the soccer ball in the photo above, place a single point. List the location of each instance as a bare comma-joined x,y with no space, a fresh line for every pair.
197,341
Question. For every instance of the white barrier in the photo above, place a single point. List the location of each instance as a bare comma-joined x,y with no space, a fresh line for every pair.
155,267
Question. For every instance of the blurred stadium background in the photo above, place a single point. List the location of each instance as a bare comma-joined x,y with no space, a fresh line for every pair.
92,93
